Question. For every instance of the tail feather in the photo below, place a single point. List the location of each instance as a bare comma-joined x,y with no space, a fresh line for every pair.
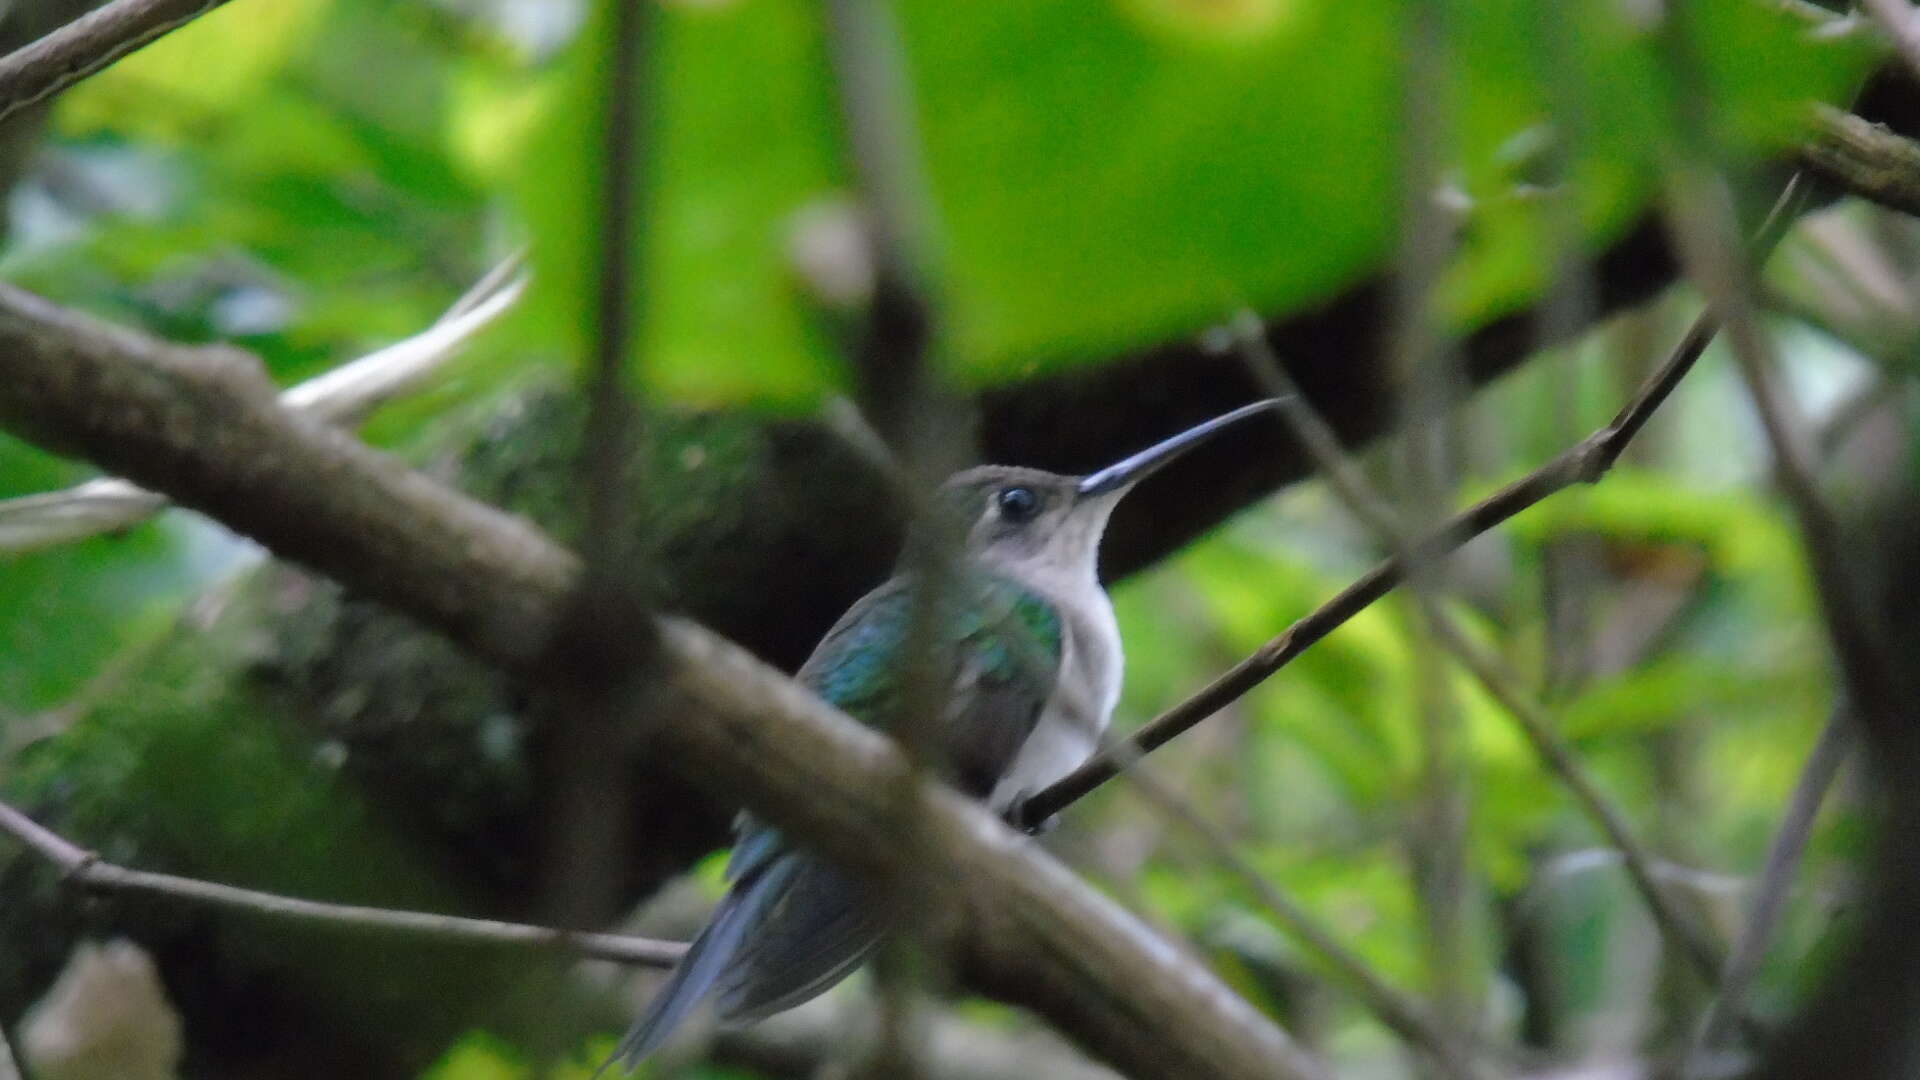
823,928
792,926
708,958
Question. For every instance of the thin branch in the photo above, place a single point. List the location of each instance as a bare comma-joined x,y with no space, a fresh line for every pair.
1584,463
1699,209
87,870
607,626
1351,487
897,392
342,395
1693,943
902,393
1425,470
1861,658
1402,1014
1709,886
1770,899
611,413
1701,212
877,112
202,426
33,73
348,393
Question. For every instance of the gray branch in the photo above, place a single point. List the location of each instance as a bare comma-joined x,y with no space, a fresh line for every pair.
89,44
203,426
86,870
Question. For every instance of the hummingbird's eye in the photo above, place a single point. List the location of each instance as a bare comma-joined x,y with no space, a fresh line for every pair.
1017,504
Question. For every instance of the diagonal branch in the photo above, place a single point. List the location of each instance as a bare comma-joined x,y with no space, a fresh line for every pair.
88,871
1400,1013
1770,897
87,45
1346,480
342,395
1586,462
202,426
1583,463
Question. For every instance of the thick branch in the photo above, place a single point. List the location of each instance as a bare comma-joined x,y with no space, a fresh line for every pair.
202,426
341,395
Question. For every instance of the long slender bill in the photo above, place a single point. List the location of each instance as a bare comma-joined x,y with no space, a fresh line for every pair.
1145,463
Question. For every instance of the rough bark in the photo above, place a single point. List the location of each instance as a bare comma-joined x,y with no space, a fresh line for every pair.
203,427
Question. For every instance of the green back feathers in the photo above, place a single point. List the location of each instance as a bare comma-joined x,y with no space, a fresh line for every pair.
1002,631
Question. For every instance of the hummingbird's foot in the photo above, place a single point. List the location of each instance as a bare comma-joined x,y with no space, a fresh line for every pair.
1017,817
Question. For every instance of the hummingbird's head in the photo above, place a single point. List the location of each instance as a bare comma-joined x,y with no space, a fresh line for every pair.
1027,516
1030,517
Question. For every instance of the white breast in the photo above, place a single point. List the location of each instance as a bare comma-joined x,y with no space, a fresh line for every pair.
1083,701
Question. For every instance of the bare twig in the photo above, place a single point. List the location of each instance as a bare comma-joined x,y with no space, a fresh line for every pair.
1703,221
897,392
87,870
1709,886
1405,1016
612,416
1348,483
902,394
1689,939
1584,463
1700,214
1351,487
1860,656
1770,899
346,393
607,627
876,108
87,45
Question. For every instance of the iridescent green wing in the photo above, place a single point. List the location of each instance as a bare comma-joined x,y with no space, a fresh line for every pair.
794,924
1007,643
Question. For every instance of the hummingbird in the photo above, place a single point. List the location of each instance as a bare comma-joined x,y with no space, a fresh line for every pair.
1035,662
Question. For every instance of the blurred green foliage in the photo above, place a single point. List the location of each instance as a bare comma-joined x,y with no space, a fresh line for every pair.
312,178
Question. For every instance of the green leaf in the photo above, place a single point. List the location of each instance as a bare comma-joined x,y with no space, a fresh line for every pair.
479,1056
65,612
1105,176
